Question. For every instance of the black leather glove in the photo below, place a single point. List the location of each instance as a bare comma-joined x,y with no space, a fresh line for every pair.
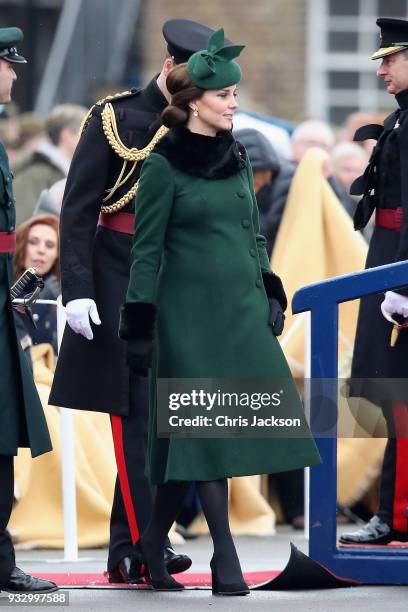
139,356
137,322
277,301
276,316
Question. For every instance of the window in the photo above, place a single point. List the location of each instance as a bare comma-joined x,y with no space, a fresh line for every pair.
341,79
341,37
339,41
344,7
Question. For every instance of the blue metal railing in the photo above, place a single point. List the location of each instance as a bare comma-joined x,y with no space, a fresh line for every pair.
379,565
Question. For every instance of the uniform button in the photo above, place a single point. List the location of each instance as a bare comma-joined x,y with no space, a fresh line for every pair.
252,252
241,194
258,282
12,228
245,223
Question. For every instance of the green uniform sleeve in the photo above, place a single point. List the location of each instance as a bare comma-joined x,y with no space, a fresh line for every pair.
260,240
154,200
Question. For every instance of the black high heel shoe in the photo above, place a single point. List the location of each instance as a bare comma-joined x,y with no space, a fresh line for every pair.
142,569
219,588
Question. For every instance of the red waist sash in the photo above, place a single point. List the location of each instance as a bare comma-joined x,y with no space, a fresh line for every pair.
389,218
118,222
7,242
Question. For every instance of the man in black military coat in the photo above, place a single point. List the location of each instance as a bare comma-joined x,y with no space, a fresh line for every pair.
22,421
379,370
97,223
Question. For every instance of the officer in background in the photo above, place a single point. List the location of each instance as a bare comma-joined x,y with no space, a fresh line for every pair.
97,224
384,186
22,421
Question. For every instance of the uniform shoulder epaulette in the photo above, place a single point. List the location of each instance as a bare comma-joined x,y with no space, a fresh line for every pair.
118,96
108,99
130,157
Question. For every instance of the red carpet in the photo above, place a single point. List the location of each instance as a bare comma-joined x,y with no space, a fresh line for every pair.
191,580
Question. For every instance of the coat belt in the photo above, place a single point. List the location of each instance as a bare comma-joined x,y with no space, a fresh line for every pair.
118,222
390,218
7,242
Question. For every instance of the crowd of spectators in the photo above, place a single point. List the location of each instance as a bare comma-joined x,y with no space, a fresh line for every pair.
40,152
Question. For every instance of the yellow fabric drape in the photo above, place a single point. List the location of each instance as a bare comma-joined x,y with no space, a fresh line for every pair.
37,518
316,240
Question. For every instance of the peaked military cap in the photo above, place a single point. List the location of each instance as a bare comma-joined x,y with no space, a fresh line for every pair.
9,37
214,67
393,36
184,37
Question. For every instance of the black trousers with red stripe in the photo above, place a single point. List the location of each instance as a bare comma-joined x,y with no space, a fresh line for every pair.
7,557
393,501
132,502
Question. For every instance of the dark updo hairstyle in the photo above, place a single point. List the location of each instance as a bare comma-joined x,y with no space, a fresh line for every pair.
182,91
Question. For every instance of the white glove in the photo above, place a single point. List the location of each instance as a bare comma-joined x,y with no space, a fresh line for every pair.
394,303
78,313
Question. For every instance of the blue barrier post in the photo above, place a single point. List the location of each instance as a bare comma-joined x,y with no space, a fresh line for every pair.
377,565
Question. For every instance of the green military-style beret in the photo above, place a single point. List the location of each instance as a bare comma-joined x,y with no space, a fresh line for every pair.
9,37
214,67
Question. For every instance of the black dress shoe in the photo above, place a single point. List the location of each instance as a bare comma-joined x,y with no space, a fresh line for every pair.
375,532
220,588
166,583
20,582
124,572
175,563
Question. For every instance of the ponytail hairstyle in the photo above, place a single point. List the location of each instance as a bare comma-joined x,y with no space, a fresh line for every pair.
182,91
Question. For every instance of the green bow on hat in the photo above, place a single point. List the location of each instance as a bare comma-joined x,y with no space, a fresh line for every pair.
214,68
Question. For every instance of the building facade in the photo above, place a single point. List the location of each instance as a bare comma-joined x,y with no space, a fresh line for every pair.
304,58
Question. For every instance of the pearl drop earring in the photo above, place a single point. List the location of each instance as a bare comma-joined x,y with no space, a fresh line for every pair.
195,112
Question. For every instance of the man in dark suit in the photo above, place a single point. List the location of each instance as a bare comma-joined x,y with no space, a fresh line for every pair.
22,421
97,222
379,369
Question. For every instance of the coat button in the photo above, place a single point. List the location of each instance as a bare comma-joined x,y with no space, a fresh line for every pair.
245,223
258,282
241,194
8,179
252,252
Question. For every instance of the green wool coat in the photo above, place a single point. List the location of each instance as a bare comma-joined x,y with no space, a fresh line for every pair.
22,421
198,256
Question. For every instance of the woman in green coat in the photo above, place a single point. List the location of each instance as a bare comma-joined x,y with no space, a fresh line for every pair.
203,301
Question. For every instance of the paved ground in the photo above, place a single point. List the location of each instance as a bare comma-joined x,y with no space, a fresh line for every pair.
255,553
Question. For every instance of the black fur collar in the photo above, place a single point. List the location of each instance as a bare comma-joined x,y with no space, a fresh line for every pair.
205,156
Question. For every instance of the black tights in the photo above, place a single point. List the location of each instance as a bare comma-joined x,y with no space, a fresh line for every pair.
213,497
